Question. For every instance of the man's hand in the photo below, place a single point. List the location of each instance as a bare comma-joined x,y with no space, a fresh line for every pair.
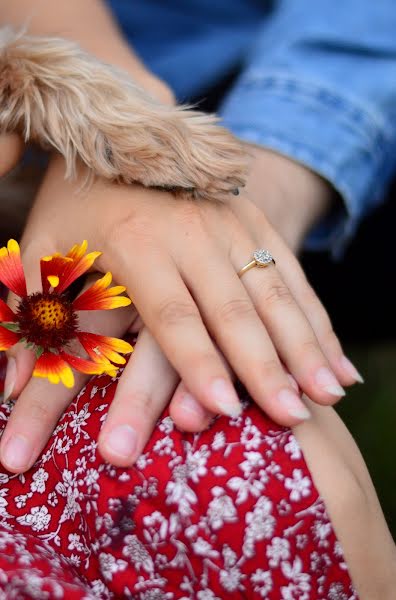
292,197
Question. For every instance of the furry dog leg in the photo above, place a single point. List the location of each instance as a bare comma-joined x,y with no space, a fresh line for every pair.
57,95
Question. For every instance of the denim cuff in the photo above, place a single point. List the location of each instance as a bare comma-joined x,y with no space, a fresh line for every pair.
346,143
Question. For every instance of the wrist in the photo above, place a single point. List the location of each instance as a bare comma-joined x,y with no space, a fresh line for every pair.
155,87
122,56
292,196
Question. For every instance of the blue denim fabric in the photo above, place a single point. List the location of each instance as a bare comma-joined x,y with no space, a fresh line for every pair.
317,82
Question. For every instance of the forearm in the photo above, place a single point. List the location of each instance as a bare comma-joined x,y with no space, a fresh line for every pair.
91,25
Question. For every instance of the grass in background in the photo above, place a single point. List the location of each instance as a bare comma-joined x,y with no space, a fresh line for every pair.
369,411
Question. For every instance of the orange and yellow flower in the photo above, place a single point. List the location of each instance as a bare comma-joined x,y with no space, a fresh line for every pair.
47,321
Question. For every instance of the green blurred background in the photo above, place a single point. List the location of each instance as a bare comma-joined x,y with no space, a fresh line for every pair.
370,413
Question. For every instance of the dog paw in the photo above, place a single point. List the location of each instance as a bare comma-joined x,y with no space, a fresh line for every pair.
211,157
179,150
63,98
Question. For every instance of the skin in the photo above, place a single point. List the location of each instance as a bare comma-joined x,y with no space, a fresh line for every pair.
197,295
295,329
265,320
352,504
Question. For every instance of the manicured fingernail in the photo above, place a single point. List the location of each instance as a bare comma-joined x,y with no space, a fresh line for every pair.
328,382
190,404
225,398
293,405
17,452
10,378
122,440
351,369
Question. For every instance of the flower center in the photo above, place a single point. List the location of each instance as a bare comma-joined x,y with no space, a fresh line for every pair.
50,314
46,320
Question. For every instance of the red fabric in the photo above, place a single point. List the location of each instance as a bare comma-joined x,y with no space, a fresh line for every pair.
228,513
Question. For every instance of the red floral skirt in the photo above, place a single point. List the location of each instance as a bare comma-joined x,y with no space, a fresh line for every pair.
228,513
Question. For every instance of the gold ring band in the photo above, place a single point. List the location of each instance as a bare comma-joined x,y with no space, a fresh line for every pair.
261,258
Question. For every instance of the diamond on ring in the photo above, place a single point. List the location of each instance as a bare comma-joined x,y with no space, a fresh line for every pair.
262,257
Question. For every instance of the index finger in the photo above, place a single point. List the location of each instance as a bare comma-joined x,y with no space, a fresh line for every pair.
171,314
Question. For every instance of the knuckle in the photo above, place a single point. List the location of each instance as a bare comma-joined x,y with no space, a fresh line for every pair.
41,413
130,227
235,310
206,361
309,346
269,368
172,312
189,215
278,293
145,404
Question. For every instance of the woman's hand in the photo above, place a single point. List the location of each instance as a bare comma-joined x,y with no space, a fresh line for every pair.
179,260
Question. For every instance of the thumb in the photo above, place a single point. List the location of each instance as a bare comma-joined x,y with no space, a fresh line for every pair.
21,361
19,370
11,149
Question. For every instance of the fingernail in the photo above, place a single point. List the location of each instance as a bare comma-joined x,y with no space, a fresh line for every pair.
10,378
122,440
190,404
328,382
225,398
351,369
293,405
17,452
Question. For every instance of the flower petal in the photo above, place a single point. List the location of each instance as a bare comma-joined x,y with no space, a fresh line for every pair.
11,269
7,338
100,297
6,314
52,268
54,368
77,251
87,366
60,271
104,349
53,280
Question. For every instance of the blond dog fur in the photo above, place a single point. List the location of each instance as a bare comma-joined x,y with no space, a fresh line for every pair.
53,93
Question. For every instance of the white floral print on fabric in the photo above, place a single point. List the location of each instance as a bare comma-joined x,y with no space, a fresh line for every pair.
228,513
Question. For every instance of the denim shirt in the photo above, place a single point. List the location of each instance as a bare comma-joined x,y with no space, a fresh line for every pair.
317,83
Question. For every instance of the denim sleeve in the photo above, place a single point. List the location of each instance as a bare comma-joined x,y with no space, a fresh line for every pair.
319,86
